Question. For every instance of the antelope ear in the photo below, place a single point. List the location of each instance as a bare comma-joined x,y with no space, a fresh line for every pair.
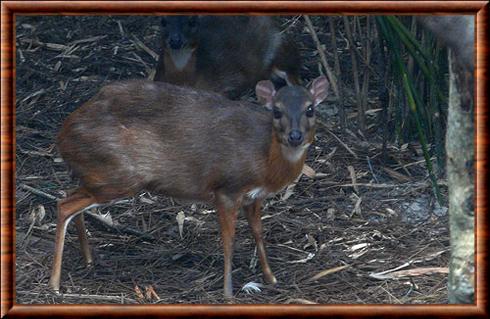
265,92
318,89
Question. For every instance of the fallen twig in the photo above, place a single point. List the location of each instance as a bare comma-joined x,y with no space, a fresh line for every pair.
300,301
142,46
372,185
117,227
339,140
396,273
353,177
328,272
37,192
411,273
323,58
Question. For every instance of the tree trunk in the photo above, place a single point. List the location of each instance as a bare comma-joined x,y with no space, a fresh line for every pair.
460,176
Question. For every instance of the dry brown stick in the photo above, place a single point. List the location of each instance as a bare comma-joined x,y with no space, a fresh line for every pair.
300,301
383,185
326,272
323,58
339,140
355,74
37,192
343,144
143,47
333,39
94,297
365,82
353,177
118,228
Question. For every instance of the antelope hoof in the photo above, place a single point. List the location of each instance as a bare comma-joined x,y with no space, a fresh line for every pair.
55,288
270,279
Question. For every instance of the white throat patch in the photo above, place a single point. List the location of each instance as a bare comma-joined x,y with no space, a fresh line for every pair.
294,155
180,58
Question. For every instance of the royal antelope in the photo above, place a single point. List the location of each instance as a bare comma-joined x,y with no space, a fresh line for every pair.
225,54
188,144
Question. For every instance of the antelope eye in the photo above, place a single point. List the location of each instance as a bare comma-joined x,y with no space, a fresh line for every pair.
276,112
310,111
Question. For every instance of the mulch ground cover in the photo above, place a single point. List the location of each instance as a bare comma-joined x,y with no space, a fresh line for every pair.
363,229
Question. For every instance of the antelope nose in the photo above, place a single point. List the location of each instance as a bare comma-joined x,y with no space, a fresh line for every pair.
175,42
295,138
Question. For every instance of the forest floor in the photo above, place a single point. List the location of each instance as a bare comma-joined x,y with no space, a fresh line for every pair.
383,240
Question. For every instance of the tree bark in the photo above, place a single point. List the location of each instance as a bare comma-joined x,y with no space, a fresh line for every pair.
460,175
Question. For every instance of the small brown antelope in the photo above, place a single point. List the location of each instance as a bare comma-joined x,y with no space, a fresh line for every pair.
225,54
188,144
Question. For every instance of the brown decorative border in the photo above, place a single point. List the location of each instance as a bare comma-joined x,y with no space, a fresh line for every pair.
10,8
